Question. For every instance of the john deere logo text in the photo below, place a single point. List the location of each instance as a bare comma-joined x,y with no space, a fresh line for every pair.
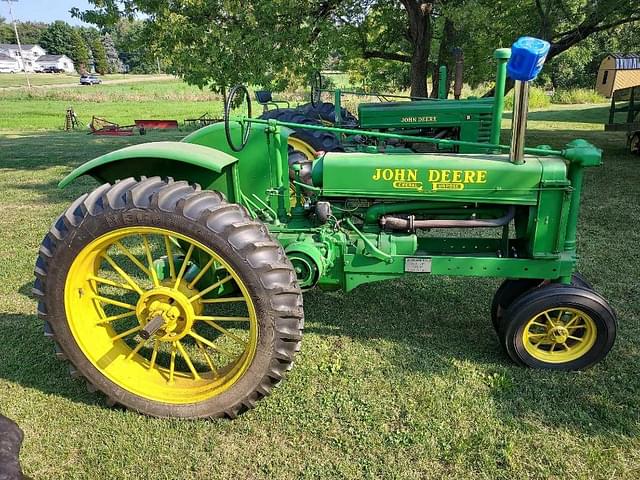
401,177
423,119
455,179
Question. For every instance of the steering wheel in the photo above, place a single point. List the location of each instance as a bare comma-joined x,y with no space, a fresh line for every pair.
245,126
316,88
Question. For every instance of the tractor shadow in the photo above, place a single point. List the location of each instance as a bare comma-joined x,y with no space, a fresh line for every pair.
43,150
441,327
28,359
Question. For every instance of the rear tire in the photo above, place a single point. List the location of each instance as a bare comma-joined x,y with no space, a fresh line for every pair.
316,139
326,112
242,248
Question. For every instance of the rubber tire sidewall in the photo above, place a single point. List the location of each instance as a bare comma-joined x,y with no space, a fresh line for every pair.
529,305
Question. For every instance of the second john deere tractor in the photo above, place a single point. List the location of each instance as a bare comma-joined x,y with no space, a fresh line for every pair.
473,120
175,286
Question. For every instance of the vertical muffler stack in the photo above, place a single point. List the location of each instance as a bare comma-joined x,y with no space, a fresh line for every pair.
527,58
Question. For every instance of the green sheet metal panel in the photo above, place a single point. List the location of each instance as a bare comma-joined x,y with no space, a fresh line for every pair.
422,113
463,178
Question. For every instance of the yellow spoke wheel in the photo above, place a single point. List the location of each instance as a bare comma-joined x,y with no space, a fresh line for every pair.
168,299
133,362
558,327
559,335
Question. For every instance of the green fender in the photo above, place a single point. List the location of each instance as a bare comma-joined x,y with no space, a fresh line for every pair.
182,161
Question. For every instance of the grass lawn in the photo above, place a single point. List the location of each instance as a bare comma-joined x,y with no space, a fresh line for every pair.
403,379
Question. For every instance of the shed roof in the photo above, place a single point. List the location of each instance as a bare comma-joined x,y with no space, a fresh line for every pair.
627,61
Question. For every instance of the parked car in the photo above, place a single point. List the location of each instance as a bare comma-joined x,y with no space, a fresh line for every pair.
89,80
52,70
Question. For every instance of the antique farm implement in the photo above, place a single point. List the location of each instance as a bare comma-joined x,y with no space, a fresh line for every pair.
175,287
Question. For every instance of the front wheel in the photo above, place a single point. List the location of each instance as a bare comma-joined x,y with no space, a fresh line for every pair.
168,299
558,327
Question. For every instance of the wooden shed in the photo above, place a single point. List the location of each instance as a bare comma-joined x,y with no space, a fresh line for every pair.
617,71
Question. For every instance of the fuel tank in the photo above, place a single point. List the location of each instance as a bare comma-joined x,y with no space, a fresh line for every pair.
479,178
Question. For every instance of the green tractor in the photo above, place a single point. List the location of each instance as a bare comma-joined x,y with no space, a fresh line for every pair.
175,287
472,120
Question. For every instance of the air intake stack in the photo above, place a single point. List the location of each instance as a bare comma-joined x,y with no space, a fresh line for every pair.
527,58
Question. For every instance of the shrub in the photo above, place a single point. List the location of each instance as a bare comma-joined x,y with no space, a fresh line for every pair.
538,98
577,95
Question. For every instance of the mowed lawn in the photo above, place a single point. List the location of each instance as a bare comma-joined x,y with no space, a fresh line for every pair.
403,379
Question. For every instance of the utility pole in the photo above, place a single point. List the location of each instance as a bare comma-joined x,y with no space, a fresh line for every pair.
15,29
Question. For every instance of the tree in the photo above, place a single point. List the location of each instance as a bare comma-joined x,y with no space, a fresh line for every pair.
113,60
99,56
275,42
56,39
78,51
564,23
60,38
6,31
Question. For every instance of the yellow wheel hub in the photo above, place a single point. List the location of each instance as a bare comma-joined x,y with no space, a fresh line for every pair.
559,335
177,313
204,338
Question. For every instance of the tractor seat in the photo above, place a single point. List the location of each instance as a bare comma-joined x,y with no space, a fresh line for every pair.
265,98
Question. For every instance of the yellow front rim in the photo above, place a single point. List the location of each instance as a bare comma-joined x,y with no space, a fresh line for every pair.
124,279
302,146
559,335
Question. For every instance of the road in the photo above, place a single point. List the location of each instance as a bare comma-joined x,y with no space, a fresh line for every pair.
131,79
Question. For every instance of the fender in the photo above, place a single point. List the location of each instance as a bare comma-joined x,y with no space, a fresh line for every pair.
182,161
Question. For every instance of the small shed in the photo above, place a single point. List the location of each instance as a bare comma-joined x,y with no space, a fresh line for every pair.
618,71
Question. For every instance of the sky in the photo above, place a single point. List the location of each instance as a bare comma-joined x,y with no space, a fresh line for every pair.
44,10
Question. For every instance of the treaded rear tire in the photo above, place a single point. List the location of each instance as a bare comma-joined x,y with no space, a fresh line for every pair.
207,217
326,111
318,140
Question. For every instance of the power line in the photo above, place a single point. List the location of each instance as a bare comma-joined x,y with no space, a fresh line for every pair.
15,29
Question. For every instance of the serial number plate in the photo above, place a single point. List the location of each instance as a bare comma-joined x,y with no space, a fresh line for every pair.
419,265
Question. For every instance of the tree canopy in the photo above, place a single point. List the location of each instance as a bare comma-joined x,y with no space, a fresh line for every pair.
274,43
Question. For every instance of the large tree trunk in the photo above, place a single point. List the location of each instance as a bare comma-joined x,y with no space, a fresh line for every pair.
445,57
420,35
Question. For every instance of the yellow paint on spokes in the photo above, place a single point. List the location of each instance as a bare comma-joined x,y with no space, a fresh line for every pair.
559,335
125,366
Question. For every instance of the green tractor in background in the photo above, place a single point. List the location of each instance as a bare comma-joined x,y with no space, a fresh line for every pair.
175,286
473,120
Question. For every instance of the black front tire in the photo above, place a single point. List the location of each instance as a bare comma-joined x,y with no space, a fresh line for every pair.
512,288
599,332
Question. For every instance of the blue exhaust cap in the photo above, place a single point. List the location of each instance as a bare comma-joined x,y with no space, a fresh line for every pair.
527,58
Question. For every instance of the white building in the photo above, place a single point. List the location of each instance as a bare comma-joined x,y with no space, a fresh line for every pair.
31,54
8,64
58,61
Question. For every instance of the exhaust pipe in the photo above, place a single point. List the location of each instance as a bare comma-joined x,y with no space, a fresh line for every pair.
527,58
411,224
519,121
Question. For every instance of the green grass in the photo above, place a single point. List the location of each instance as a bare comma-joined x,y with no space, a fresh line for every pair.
44,109
403,379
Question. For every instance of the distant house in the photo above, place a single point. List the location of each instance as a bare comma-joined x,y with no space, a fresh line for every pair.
618,71
57,61
31,54
8,64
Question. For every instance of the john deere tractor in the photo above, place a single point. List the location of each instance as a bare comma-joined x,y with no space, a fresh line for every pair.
175,286
472,120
